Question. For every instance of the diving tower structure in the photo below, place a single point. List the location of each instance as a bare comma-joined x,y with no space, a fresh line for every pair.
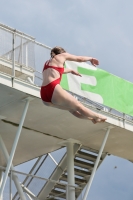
29,129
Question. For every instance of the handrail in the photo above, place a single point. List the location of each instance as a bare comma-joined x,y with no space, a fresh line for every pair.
45,179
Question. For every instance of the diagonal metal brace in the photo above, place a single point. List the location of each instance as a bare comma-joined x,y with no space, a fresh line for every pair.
14,145
13,176
96,163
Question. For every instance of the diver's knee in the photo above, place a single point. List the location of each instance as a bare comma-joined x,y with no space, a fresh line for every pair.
79,106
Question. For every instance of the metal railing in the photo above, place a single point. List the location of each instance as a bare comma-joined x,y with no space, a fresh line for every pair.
20,53
26,190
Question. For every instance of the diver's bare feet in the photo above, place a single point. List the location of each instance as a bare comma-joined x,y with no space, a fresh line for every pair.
94,121
99,118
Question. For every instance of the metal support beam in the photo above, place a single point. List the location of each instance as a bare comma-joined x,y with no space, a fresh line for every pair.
28,192
96,164
53,159
27,177
13,55
21,51
26,55
11,185
14,176
18,186
70,171
1,177
29,196
14,146
56,175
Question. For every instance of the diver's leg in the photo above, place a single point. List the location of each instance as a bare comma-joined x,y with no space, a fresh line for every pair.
63,99
78,115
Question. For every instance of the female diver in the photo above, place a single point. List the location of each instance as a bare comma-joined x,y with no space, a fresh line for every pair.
52,93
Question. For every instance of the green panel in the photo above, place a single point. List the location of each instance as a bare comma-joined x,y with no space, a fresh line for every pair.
64,81
116,92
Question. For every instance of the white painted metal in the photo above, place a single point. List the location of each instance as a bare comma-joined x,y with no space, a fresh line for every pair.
31,171
29,196
70,170
24,71
42,45
56,174
13,55
124,120
34,166
1,177
26,56
12,175
23,35
49,136
12,30
29,79
40,178
66,192
96,164
29,193
18,186
46,179
22,51
14,147
52,158
11,185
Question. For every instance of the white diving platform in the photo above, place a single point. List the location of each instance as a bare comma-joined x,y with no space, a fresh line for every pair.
45,128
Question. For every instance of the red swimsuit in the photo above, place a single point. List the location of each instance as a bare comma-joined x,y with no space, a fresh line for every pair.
47,91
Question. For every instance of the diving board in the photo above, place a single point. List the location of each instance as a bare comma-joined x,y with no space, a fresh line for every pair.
45,127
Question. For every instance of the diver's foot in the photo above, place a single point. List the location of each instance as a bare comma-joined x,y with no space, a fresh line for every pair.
99,118
94,121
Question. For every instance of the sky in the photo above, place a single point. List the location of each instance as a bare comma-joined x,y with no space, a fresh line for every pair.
101,29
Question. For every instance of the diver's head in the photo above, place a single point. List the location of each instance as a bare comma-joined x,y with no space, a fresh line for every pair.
56,51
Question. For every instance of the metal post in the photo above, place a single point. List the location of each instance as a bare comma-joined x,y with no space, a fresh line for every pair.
13,55
27,191
10,185
18,186
14,176
1,178
26,56
70,171
29,196
96,164
22,51
14,147
66,192
124,120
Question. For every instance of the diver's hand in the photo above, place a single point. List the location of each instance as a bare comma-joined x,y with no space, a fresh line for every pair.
75,73
94,62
